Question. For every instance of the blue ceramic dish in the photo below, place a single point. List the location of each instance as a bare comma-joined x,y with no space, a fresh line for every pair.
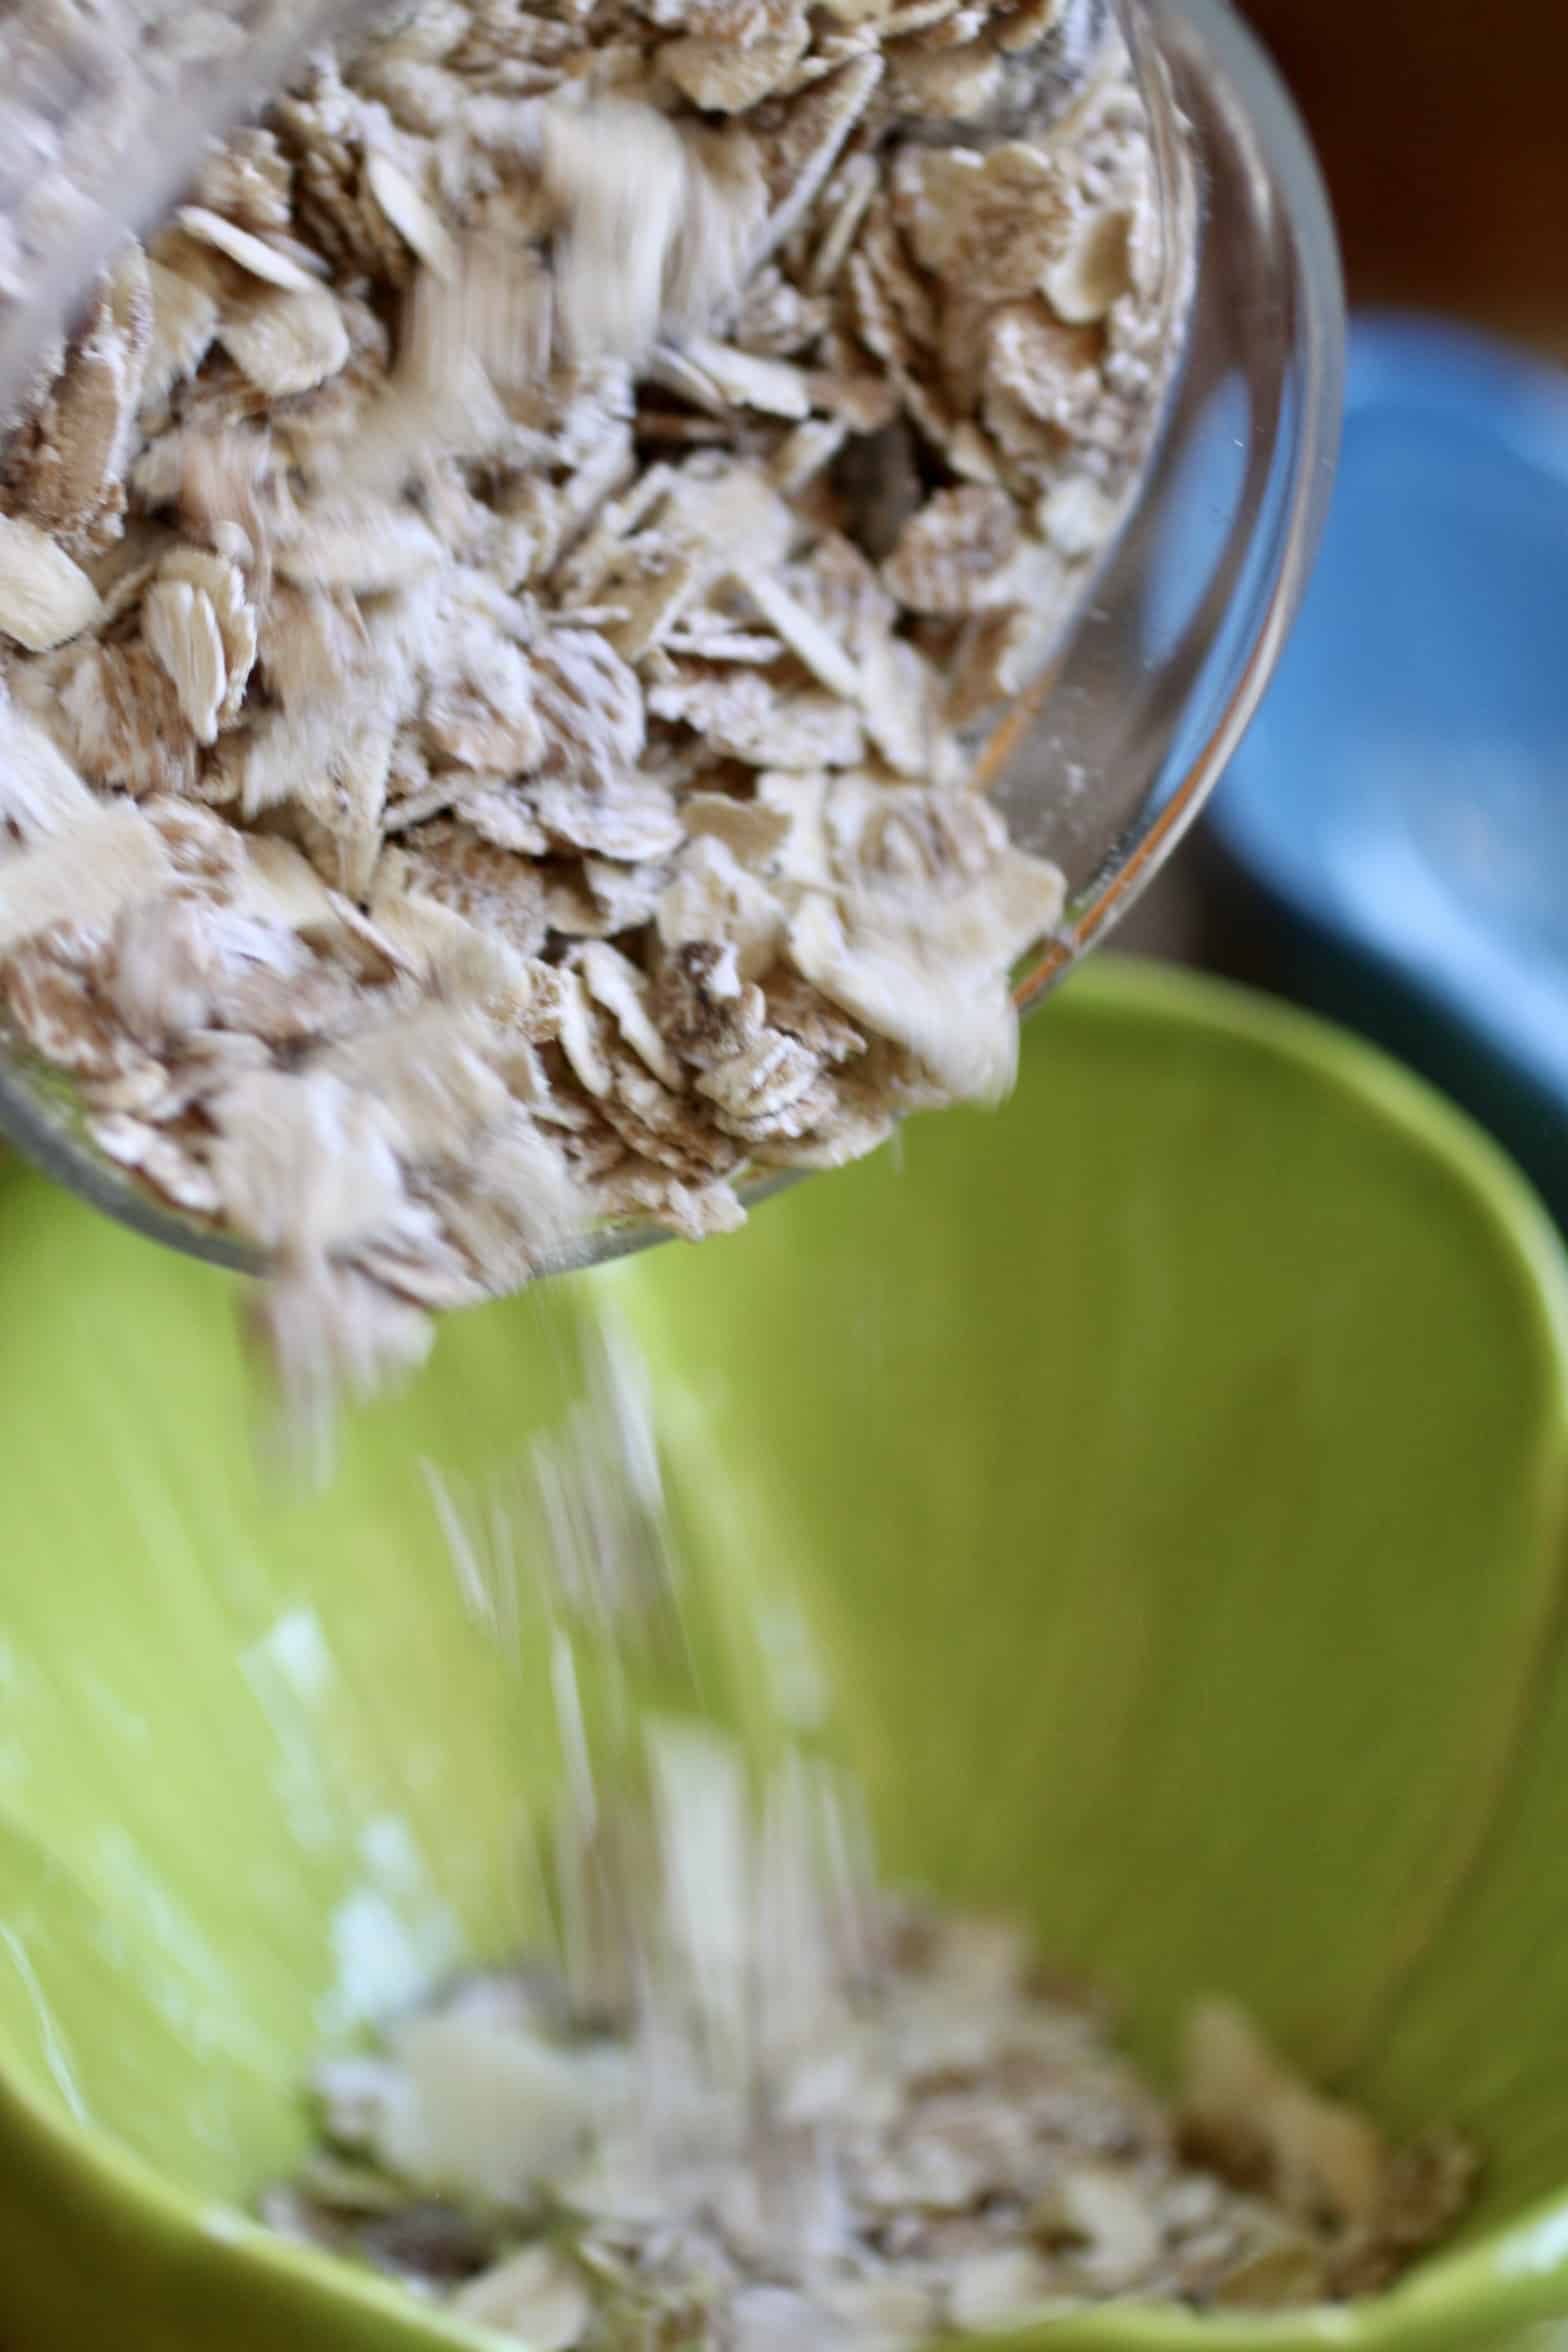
1402,800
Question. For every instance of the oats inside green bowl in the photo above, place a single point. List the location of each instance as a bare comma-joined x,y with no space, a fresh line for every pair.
810,2123
743,2099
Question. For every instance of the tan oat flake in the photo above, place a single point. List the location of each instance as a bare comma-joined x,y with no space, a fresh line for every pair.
82,876
45,598
951,556
289,340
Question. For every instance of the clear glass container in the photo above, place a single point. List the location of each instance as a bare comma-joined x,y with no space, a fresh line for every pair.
1106,762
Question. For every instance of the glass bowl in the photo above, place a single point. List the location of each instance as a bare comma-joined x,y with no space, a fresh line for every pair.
1107,760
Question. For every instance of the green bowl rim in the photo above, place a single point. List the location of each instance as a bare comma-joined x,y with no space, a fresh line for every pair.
1518,2276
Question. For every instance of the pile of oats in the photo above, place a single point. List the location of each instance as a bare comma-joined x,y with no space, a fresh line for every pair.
931,2137
502,600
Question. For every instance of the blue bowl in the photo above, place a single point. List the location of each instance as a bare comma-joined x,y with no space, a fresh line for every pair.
1401,802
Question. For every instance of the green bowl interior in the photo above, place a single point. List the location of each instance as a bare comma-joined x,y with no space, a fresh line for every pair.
1168,1472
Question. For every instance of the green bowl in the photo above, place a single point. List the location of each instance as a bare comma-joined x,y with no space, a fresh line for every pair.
1170,1472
